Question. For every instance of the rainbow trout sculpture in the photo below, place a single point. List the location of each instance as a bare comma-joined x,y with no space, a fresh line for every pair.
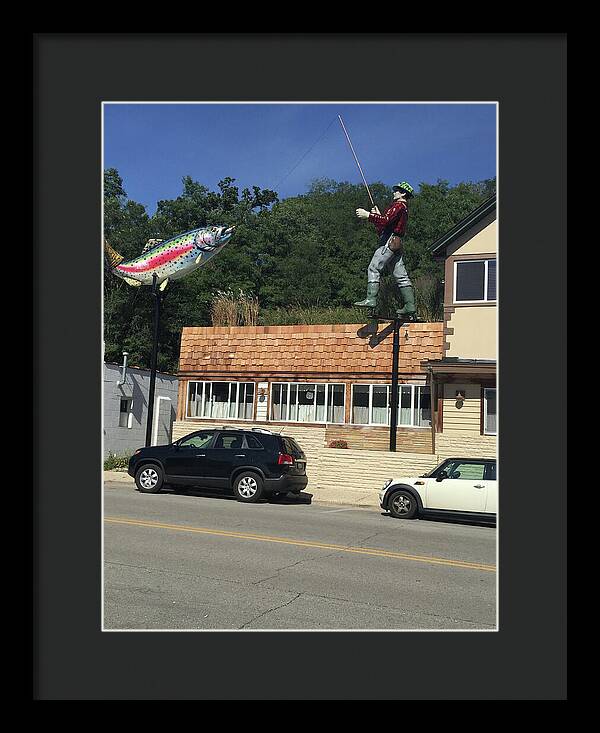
171,259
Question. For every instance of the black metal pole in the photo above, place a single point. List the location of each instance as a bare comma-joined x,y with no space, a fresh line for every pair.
156,295
394,397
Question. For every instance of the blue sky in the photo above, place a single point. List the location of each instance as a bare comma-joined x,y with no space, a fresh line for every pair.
269,145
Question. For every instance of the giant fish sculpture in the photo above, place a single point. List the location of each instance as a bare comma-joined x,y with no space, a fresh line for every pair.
170,259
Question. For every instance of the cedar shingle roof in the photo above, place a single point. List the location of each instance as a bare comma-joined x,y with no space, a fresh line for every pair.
327,349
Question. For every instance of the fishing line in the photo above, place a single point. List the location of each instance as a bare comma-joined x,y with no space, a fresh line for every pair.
276,186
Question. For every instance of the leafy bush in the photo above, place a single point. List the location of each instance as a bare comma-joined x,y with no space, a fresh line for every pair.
337,444
115,461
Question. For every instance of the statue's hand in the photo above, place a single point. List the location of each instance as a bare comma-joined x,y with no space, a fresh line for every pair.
362,213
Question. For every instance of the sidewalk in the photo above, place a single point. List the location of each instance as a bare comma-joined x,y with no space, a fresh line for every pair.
369,497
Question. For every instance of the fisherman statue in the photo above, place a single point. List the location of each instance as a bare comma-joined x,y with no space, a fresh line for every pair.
390,227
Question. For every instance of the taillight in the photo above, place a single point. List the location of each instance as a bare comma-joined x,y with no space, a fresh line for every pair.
285,460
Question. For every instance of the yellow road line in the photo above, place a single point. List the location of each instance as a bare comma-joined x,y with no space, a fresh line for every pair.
303,543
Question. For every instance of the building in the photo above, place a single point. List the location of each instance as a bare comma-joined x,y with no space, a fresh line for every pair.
464,380
126,408
326,378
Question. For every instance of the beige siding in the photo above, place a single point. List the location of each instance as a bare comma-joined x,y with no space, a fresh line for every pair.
463,420
484,242
474,334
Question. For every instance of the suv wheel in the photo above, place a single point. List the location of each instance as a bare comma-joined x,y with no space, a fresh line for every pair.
248,487
403,505
149,478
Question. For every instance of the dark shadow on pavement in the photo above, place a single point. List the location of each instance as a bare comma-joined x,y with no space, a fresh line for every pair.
443,520
288,499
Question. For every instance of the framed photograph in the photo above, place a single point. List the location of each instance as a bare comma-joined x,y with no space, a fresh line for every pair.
288,185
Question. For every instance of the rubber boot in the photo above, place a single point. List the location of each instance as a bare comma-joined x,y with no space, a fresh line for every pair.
408,302
371,300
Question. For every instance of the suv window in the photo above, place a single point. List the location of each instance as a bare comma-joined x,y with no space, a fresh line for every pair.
197,440
253,443
291,447
229,441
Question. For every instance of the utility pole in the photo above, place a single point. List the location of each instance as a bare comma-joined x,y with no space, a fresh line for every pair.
157,298
394,397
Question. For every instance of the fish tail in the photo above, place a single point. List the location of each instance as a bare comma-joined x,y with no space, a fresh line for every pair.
112,258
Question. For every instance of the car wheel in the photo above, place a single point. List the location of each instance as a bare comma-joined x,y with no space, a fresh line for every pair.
403,505
248,487
149,478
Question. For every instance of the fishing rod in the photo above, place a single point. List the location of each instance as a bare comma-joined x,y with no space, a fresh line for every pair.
356,159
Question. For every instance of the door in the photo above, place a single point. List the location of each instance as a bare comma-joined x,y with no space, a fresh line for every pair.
224,455
188,456
492,488
460,487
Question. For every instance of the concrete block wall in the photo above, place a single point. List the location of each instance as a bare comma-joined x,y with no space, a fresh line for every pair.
124,440
475,446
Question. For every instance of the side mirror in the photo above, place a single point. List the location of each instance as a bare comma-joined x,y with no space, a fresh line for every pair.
441,476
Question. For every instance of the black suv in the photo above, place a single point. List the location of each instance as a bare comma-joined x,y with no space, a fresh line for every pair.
254,463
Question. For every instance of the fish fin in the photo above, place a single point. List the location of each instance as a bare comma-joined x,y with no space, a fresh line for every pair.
163,284
151,243
112,257
131,281
198,258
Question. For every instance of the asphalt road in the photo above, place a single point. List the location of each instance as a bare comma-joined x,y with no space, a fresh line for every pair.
204,562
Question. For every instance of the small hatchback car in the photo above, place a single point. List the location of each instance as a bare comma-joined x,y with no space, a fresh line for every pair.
462,487
253,463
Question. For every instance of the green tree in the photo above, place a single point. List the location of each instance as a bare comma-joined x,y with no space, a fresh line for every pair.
305,252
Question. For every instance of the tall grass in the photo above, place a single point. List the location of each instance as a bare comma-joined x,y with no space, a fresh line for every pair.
234,309
242,309
429,298
310,315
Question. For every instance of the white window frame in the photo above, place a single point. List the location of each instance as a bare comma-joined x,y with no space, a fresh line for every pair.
204,383
485,260
128,412
485,412
288,402
414,404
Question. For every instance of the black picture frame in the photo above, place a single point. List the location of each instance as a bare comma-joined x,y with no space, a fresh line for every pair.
73,659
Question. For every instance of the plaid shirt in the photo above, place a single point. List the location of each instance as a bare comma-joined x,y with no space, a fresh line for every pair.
393,221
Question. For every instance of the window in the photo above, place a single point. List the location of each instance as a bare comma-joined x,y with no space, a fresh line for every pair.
229,441
467,471
303,402
371,405
217,400
474,281
253,443
124,413
196,440
489,411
